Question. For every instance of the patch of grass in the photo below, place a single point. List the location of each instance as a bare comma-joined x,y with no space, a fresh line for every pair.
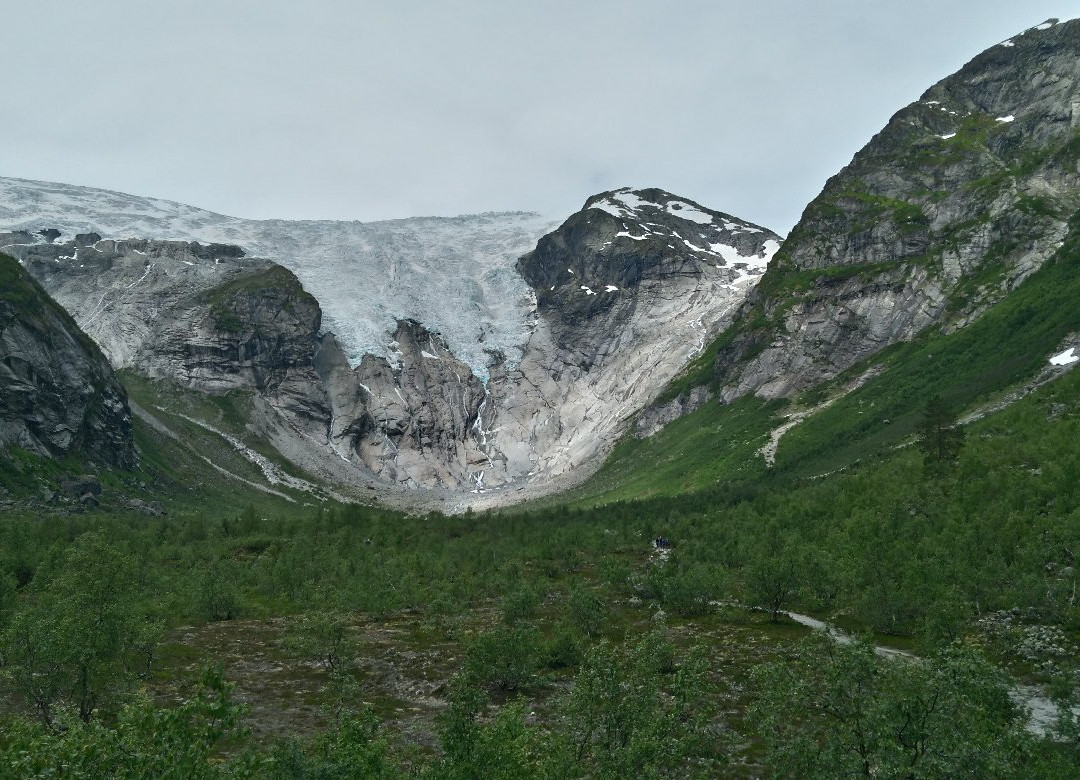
228,411
224,298
906,215
16,286
694,453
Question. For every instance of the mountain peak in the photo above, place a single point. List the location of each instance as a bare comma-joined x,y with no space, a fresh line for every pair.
650,203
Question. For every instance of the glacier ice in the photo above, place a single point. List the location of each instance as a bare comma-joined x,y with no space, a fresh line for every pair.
455,275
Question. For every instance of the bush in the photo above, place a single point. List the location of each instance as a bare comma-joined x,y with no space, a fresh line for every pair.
323,637
146,741
353,747
521,603
840,710
505,658
628,716
563,648
588,612
219,593
503,746
687,590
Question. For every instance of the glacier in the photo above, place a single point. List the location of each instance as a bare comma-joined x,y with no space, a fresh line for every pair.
455,275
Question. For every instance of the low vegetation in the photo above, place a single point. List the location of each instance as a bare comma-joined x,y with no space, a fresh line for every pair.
561,641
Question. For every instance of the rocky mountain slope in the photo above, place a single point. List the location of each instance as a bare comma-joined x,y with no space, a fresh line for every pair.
630,289
953,204
58,395
616,302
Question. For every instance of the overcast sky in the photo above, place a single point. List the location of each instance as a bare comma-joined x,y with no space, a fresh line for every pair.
355,109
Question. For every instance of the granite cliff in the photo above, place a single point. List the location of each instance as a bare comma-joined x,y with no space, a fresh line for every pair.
58,395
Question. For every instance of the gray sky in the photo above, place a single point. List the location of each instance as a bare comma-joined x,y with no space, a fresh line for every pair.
375,110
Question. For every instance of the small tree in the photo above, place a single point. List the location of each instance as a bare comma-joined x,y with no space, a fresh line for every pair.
940,438
633,713
218,597
587,611
7,606
145,741
521,603
78,636
504,658
772,579
323,637
479,743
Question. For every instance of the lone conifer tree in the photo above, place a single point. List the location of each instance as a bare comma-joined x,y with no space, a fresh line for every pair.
940,438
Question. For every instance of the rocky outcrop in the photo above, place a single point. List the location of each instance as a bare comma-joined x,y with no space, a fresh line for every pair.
416,424
58,395
214,320
653,419
256,331
956,201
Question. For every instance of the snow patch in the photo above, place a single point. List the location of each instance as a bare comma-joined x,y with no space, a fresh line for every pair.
588,290
611,288
1007,44
1008,118
609,207
1068,357
947,136
770,248
631,201
621,203
682,210
755,262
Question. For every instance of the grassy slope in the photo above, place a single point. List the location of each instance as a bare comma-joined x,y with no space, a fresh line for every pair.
718,444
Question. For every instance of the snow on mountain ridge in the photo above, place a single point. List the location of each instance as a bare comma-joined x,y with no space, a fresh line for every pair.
639,207
453,274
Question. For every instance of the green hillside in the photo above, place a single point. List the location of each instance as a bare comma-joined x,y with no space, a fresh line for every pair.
1003,350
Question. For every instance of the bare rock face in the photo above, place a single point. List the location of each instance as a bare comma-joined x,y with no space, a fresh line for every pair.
415,425
203,316
956,201
629,290
653,419
58,395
